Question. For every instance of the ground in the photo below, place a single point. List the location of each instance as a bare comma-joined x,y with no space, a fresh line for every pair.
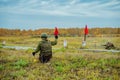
66,64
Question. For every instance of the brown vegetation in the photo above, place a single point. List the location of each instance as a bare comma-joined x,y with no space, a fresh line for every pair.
112,32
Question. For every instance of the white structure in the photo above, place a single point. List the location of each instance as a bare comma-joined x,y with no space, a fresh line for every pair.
84,43
65,43
3,43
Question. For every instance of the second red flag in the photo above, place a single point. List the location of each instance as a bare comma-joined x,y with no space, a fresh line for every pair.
86,30
56,31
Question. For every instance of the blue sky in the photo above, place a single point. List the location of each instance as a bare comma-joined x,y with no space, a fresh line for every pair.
35,14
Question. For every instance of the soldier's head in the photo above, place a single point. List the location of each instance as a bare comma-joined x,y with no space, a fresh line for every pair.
44,35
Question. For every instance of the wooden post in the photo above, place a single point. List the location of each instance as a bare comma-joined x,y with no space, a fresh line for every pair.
85,33
84,37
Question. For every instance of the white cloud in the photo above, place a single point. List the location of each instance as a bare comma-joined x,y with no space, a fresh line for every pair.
72,2
69,8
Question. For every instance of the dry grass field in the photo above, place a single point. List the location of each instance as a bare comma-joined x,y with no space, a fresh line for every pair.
66,64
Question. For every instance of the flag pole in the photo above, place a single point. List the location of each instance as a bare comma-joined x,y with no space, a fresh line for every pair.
84,37
85,33
84,41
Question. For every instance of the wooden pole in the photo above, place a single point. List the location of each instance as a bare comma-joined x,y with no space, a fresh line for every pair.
84,37
84,41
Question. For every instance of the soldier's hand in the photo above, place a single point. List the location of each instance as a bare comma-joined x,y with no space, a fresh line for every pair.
56,37
33,53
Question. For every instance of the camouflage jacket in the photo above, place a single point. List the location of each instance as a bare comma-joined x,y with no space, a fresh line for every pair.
41,48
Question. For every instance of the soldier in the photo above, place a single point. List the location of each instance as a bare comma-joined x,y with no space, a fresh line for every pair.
45,48
109,45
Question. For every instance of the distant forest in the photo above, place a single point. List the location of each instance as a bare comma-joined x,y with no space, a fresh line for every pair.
93,32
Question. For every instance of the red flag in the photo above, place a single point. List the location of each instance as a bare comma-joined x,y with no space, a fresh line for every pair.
56,31
86,30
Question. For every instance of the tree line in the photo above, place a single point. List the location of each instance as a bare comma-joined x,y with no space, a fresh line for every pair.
93,32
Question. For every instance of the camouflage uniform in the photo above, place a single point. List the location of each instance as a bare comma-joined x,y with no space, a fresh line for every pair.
45,48
109,45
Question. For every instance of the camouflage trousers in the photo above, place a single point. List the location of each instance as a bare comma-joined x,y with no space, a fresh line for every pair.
44,58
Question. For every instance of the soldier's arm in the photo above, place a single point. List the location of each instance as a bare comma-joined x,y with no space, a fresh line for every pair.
54,42
38,47
104,45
